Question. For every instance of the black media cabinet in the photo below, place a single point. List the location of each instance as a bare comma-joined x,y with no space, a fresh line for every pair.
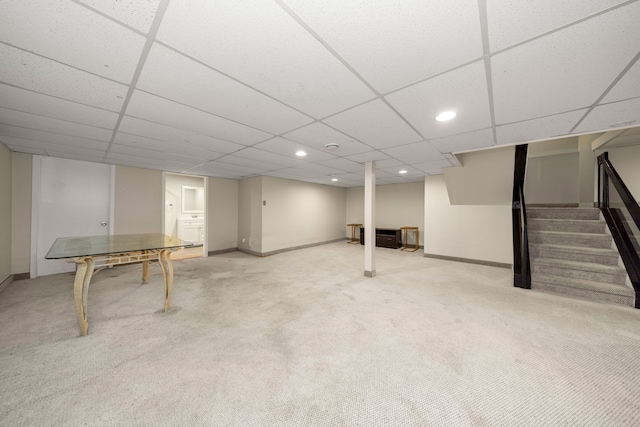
385,237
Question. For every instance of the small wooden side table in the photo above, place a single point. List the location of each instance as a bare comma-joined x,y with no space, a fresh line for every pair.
405,231
353,233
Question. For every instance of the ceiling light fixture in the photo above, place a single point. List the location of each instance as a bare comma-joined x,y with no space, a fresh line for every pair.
403,171
332,146
301,153
334,179
445,115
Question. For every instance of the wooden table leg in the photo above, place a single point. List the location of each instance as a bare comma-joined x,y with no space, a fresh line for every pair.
167,271
84,271
145,270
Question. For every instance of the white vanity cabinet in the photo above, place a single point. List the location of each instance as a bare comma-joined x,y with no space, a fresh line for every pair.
191,229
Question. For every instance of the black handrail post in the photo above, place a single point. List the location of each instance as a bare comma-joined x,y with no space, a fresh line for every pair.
521,266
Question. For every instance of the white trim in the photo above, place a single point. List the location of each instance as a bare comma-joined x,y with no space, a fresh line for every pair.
35,205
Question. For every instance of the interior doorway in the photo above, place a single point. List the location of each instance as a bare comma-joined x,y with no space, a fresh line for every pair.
185,216
70,198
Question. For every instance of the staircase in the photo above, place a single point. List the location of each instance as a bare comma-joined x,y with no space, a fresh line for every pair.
572,253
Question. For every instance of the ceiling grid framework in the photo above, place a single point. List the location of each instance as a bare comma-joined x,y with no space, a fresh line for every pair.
234,88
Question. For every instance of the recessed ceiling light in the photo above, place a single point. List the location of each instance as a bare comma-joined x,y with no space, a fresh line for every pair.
445,115
301,153
332,146
334,179
403,171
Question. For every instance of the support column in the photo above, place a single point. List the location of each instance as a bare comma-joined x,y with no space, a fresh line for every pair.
370,219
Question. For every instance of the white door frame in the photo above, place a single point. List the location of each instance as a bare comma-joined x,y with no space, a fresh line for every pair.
205,245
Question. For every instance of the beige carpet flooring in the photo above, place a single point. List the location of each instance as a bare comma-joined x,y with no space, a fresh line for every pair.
302,338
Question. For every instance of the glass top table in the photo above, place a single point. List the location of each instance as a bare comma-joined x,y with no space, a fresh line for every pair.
101,251
72,247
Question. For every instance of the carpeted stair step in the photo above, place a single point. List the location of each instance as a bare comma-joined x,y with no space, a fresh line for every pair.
574,253
579,270
564,213
565,225
592,290
570,239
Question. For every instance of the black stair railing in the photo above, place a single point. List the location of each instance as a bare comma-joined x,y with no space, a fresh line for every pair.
521,263
617,204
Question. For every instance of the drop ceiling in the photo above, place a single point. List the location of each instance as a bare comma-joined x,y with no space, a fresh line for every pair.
233,88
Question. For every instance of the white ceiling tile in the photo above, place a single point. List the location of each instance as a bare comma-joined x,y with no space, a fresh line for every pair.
32,121
343,164
434,167
206,89
627,87
161,132
318,135
463,91
368,157
48,148
278,56
414,153
393,44
137,14
395,172
142,143
388,163
394,180
258,165
556,73
464,141
54,138
351,177
48,106
311,170
158,155
240,170
538,129
32,72
518,20
75,155
146,161
214,170
375,124
261,155
615,115
24,149
72,34
159,110
289,148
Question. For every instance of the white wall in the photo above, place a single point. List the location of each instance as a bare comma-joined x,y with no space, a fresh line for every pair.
485,178
137,201
5,213
471,232
21,175
250,214
222,213
397,205
300,213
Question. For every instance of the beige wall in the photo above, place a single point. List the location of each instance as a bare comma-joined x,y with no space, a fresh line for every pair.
472,232
553,179
5,213
222,214
587,174
397,205
137,201
22,174
300,213
626,161
250,214
485,178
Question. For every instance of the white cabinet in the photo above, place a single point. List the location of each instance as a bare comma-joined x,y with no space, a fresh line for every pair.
191,229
